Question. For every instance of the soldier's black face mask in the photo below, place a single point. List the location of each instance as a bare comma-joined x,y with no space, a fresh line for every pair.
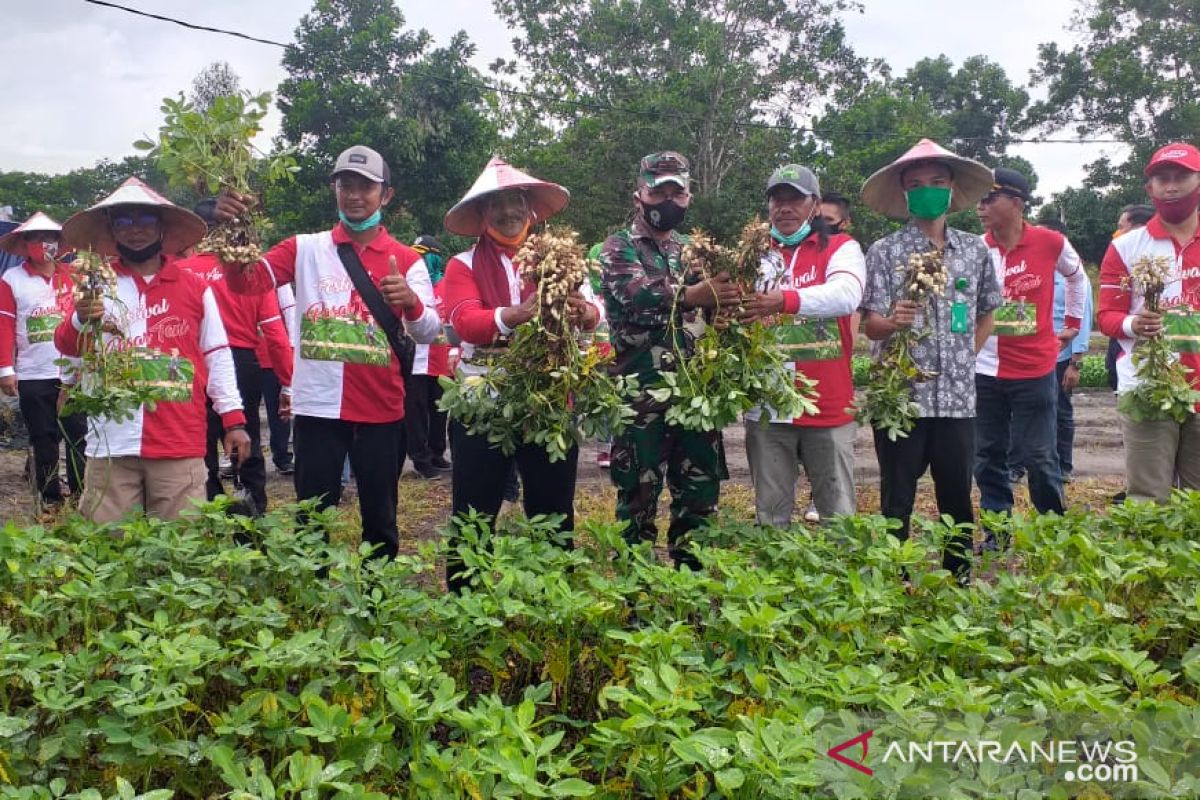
664,216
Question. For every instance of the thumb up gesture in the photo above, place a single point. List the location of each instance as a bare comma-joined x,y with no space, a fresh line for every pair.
395,289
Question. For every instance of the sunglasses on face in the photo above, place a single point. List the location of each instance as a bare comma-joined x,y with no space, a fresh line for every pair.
142,219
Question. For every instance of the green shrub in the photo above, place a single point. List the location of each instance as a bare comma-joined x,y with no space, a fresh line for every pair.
174,658
1092,373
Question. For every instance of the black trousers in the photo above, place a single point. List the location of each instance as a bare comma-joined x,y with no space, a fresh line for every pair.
321,447
39,406
424,424
946,447
481,472
253,471
281,429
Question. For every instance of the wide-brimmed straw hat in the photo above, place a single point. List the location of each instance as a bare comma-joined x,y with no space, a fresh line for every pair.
90,230
545,199
13,242
883,193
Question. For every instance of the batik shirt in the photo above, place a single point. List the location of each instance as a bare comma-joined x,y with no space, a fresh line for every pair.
950,356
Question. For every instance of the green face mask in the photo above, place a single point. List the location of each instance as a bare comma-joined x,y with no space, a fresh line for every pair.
928,202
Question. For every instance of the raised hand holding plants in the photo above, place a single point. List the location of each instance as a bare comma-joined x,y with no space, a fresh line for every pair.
548,387
887,404
1164,389
212,150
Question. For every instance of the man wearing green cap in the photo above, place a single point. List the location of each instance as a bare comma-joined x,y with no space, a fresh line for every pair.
650,299
923,186
810,286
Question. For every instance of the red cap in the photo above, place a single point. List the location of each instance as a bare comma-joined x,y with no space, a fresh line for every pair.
1179,153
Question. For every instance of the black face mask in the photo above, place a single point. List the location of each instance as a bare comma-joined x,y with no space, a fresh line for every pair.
664,216
140,255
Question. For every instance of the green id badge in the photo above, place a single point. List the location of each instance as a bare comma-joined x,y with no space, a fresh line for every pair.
958,318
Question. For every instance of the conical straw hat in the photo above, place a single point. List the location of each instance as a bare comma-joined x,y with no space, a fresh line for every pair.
90,230
545,199
12,242
883,193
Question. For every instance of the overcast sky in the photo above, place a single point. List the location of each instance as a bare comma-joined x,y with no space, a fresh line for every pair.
83,82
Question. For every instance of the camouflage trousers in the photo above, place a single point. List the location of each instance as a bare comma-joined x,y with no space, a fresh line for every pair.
694,465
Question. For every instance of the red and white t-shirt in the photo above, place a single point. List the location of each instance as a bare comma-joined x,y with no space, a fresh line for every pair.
172,324
475,323
244,315
31,307
434,359
287,312
1024,343
822,288
1180,301
344,367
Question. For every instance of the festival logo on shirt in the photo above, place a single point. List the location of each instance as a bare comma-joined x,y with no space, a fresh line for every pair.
811,340
1016,319
343,333
40,325
168,329
167,376
1181,326
1017,314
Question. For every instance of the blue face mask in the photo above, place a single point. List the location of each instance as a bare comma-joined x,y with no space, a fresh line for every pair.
366,224
796,238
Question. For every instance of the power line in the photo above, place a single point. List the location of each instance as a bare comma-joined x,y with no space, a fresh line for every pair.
190,25
590,106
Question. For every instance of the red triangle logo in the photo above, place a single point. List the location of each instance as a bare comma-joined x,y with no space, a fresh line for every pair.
835,752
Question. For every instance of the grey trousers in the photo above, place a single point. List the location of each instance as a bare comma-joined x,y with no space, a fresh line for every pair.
1158,452
776,451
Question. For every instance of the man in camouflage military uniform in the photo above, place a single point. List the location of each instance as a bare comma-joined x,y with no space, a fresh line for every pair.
650,300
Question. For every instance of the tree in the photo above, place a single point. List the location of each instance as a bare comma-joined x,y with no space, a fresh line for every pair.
985,111
216,80
60,196
356,76
722,81
974,110
1133,74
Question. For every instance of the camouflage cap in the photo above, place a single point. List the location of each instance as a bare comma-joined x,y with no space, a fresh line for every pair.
665,167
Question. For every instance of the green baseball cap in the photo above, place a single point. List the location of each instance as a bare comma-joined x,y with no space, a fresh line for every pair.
799,178
665,167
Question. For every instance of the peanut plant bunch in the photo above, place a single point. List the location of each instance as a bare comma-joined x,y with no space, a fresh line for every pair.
211,149
105,381
1165,390
887,403
734,366
550,385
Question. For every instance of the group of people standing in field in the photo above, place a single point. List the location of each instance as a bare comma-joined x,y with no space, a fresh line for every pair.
321,326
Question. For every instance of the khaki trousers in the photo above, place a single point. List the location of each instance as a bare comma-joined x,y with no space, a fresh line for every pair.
1158,452
162,487
777,450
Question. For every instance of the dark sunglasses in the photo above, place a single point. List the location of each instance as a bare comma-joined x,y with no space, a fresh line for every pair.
142,219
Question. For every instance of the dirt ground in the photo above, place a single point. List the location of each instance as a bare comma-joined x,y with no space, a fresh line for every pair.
1099,469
